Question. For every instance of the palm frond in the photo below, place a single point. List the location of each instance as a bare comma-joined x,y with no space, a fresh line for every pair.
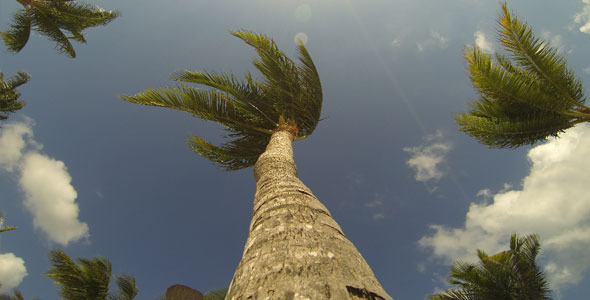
46,24
524,97
311,94
126,288
250,110
18,35
511,274
9,95
538,57
502,133
66,273
234,155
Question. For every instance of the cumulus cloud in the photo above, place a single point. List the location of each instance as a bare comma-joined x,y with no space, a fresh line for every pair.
482,42
427,159
12,143
553,202
12,272
583,17
46,183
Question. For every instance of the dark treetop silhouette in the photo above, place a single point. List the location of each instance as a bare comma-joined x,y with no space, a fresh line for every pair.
526,96
51,18
295,250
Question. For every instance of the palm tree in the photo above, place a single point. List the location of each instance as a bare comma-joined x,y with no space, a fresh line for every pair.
9,95
508,275
524,97
88,279
294,248
51,18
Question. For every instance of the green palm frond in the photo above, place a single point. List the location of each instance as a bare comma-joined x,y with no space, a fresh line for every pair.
45,24
51,18
9,95
511,274
88,280
537,57
126,288
526,96
250,110
18,35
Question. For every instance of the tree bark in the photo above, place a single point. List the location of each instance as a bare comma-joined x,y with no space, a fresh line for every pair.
295,250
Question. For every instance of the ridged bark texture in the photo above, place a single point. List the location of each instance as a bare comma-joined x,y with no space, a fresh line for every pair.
295,250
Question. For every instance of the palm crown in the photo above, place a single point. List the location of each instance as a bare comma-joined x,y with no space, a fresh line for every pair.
9,95
88,279
250,110
51,18
526,96
511,274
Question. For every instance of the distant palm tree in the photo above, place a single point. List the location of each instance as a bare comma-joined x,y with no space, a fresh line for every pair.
508,275
9,95
51,18
88,279
295,248
526,96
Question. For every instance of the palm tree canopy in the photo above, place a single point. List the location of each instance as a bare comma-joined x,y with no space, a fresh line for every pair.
88,279
9,95
508,275
526,96
51,18
290,96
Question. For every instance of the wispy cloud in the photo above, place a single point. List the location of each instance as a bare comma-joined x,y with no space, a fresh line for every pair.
552,202
426,159
49,194
12,272
583,17
435,40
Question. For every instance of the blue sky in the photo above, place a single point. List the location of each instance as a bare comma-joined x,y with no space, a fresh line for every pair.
93,175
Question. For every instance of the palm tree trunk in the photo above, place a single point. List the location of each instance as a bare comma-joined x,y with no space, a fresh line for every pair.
295,250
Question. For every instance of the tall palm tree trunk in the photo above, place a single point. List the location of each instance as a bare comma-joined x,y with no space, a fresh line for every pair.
295,250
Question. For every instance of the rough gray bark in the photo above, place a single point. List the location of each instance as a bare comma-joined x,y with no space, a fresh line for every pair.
295,250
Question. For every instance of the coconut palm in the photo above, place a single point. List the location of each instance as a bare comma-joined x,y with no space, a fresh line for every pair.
9,95
294,248
88,279
508,275
525,96
51,18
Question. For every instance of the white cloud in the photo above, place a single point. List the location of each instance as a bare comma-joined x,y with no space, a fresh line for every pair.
552,202
435,40
49,195
12,272
482,42
426,159
583,17
12,143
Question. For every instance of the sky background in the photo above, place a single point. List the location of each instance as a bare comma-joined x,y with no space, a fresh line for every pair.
86,172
